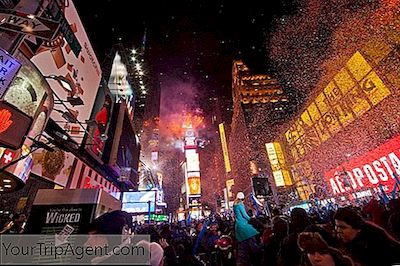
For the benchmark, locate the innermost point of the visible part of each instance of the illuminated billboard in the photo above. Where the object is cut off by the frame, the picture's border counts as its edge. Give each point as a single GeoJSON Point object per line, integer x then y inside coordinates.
{"type": "Point", "coordinates": [194, 184]}
{"type": "Point", "coordinates": [224, 148]}
{"type": "Point", "coordinates": [192, 161]}
{"type": "Point", "coordinates": [353, 91]}
{"type": "Point", "coordinates": [71, 56]}
{"type": "Point", "coordinates": [367, 172]}
{"type": "Point", "coordinates": [277, 162]}
{"type": "Point", "coordinates": [139, 202]}
{"type": "Point", "coordinates": [229, 184]}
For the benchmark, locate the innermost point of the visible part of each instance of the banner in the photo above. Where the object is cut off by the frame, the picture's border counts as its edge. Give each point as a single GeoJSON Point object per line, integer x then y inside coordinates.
{"type": "Point", "coordinates": [369, 171]}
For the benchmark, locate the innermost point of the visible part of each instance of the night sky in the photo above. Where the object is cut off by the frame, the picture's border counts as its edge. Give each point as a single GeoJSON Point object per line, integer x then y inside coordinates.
{"type": "Point", "coordinates": [187, 40]}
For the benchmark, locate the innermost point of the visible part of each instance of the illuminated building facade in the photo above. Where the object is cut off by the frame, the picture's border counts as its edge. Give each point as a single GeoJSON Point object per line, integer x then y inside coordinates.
{"type": "Point", "coordinates": [259, 107]}
{"type": "Point", "coordinates": [344, 144]}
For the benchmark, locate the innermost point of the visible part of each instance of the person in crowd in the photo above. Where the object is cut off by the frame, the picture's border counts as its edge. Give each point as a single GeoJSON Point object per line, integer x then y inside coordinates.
{"type": "Point", "coordinates": [394, 218]}
{"type": "Point", "coordinates": [290, 254]}
{"type": "Point", "coordinates": [365, 242]}
{"type": "Point", "coordinates": [280, 229]}
{"type": "Point", "coordinates": [244, 233]}
{"type": "Point", "coordinates": [16, 225]}
{"type": "Point", "coordinates": [316, 252]}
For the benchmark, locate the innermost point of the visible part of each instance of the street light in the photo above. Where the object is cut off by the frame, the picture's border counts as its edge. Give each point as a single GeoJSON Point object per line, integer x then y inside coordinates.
{"type": "Point", "coordinates": [67, 115]}
{"type": "Point", "coordinates": [63, 81]}
{"type": "Point", "coordinates": [74, 101]}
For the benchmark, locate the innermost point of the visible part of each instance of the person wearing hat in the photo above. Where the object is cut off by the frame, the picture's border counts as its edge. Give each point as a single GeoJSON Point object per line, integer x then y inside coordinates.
{"type": "Point", "coordinates": [365, 242]}
{"type": "Point", "coordinates": [318, 253]}
{"type": "Point", "coordinates": [244, 232]}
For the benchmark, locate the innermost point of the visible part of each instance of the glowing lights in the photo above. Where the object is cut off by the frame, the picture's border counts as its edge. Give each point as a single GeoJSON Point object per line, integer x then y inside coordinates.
{"type": "Point", "coordinates": [141, 73]}
{"type": "Point", "coordinates": [138, 67]}
{"type": "Point", "coordinates": [277, 162]}
{"type": "Point", "coordinates": [134, 51]}
{"type": "Point", "coordinates": [340, 103]}
{"type": "Point", "coordinates": [224, 148]}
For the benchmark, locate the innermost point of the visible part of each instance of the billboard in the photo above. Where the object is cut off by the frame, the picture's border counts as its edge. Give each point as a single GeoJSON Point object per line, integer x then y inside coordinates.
{"type": "Point", "coordinates": [56, 166]}
{"type": "Point", "coordinates": [99, 122]}
{"type": "Point", "coordinates": [369, 172]}
{"type": "Point", "coordinates": [277, 162]}
{"type": "Point", "coordinates": [138, 202]}
{"type": "Point", "coordinates": [194, 184]}
{"type": "Point", "coordinates": [224, 148]}
{"type": "Point", "coordinates": [353, 91]}
{"type": "Point", "coordinates": [70, 56]}
{"type": "Point", "coordinates": [192, 161]}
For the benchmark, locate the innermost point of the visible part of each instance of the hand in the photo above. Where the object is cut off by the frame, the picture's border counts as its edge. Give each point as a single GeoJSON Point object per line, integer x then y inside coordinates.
{"type": "Point", "coordinates": [163, 243]}
{"type": "Point", "coordinates": [5, 121]}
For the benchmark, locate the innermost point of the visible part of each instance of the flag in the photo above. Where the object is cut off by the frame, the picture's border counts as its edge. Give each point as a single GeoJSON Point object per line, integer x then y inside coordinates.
{"type": "Point", "coordinates": [255, 201]}
{"type": "Point", "coordinates": [384, 197]}
{"type": "Point", "coordinates": [144, 40]}
{"type": "Point", "coordinates": [397, 178]}
{"type": "Point", "coordinates": [394, 191]}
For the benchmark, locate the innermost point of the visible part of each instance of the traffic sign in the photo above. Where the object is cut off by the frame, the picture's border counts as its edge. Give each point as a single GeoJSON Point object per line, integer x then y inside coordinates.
{"type": "Point", "coordinates": [9, 67]}
{"type": "Point", "coordinates": [28, 24]}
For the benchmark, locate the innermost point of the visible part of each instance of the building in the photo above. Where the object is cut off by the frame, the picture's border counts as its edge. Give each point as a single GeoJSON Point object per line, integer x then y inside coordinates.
{"type": "Point", "coordinates": [344, 143]}
{"type": "Point", "coordinates": [259, 107]}
{"type": "Point", "coordinates": [71, 140]}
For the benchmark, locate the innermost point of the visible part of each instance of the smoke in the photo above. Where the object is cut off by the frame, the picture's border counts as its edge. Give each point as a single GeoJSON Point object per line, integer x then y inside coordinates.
{"type": "Point", "coordinates": [179, 99]}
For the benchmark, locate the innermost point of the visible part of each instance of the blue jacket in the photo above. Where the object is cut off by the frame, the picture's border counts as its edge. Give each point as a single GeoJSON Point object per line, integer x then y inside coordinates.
{"type": "Point", "coordinates": [243, 229]}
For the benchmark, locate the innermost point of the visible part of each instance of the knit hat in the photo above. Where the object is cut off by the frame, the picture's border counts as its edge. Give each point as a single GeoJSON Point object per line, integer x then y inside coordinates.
{"type": "Point", "coordinates": [311, 242]}
{"type": "Point", "coordinates": [240, 196]}
{"type": "Point", "coordinates": [111, 223]}
{"type": "Point", "coordinates": [350, 217]}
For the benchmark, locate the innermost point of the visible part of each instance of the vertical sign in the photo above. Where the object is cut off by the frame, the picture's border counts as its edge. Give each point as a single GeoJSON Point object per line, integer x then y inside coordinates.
{"type": "Point", "coordinates": [9, 67]}
{"type": "Point", "coordinates": [224, 148]}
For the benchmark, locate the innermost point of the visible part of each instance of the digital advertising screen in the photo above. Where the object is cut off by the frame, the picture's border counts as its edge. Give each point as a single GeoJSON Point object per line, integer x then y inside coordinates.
{"type": "Point", "coordinates": [138, 202]}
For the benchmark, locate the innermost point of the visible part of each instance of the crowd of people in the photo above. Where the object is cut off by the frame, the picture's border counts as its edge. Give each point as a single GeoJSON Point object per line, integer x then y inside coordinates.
{"type": "Point", "coordinates": [362, 235]}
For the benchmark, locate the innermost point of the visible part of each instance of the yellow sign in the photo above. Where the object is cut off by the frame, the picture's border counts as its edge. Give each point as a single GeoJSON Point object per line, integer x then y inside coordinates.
{"type": "Point", "coordinates": [229, 185]}
{"type": "Point", "coordinates": [224, 148]}
{"type": "Point", "coordinates": [354, 90]}
{"type": "Point", "coordinates": [277, 162]}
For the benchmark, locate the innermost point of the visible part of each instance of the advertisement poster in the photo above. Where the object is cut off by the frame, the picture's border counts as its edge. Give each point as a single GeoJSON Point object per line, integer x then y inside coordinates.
{"type": "Point", "coordinates": [71, 57]}
{"type": "Point", "coordinates": [51, 219]}
{"type": "Point", "coordinates": [138, 202]}
{"type": "Point", "coordinates": [194, 183]}
{"type": "Point", "coordinates": [55, 166]}
{"type": "Point", "coordinates": [375, 170]}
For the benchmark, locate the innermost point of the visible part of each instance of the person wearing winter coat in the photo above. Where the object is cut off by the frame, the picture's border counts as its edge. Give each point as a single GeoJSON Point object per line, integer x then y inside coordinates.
{"type": "Point", "coordinates": [317, 252]}
{"type": "Point", "coordinates": [365, 242]}
{"type": "Point", "coordinates": [244, 233]}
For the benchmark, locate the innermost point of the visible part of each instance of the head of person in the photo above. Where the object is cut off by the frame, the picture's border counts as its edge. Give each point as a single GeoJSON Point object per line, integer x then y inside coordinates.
{"type": "Point", "coordinates": [116, 223]}
{"type": "Point", "coordinates": [19, 219]}
{"type": "Point", "coordinates": [299, 219]}
{"type": "Point", "coordinates": [280, 226]}
{"type": "Point", "coordinates": [156, 252]}
{"type": "Point", "coordinates": [240, 196]}
{"type": "Point", "coordinates": [318, 253]}
{"type": "Point", "coordinates": [348, 223]}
